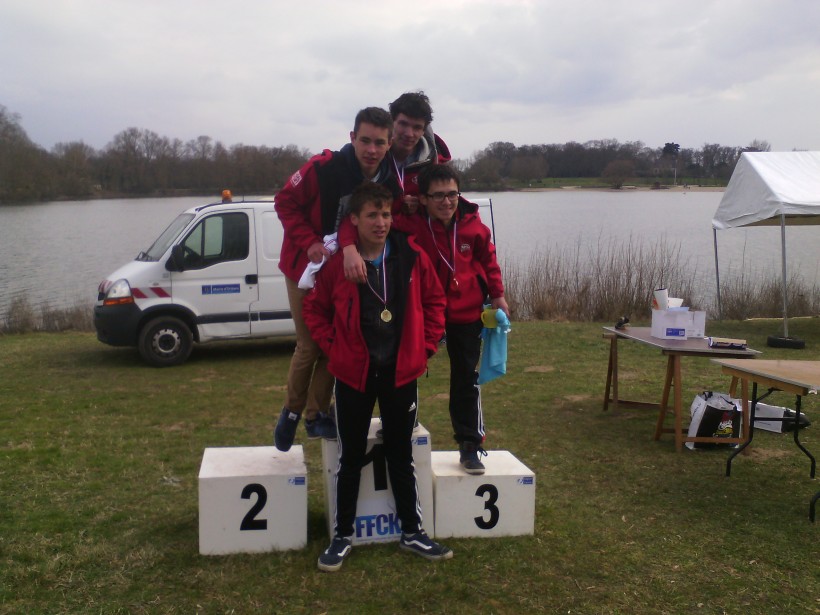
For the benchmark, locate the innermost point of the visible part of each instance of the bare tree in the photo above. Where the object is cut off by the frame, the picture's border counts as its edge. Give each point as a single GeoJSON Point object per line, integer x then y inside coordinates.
{"type": "Point", "coordinates": [528, 167]}
{"type": "Point", "coordinates": [758, 146]}
{"type": "Point", "coordinates": [75, 169]}
{"type": "Point", "coordinates": [617, 172]}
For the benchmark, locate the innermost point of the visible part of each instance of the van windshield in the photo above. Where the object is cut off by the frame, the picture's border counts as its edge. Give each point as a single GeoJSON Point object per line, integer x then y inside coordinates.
{"type": "Point", "coordinates": [167, 238]}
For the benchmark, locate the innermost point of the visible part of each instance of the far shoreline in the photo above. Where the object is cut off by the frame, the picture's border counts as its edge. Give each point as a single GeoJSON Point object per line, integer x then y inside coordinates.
{"type": "Point", "coordinates": [629, 188]}
{"type": "Point", "coordinates": [238, 197]}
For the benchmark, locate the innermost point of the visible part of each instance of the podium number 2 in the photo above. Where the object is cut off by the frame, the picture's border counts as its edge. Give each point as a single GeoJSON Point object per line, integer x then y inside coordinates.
{"type": "Point", "coordinates": [250, 522]}
{"type": "Point", "coordinates": [489, 505]}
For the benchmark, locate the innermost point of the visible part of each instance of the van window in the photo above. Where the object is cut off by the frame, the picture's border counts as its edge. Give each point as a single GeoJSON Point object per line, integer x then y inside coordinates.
{"type": "Point", "coordinates": [164, 241]}
{"type": "Point", "coordinates": [217, 239]}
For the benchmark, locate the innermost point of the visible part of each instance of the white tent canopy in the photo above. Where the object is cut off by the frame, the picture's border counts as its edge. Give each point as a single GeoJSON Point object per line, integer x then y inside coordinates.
{"type": "Point", "coordinates": [768, 185]}
{"type": "Point", "coordinates": [773, 189]}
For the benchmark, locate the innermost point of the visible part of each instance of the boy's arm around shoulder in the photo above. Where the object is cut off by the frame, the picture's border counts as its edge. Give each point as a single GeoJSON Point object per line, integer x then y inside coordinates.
{"type": "Point", "coordinates": [408, 223]}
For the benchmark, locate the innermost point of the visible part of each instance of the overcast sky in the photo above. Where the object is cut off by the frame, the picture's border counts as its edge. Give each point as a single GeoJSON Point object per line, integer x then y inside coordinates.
{"type": "Point", "coordinates": [275, 72]}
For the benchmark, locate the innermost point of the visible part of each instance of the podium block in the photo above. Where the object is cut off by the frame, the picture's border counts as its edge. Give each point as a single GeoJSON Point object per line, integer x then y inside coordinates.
{"type": "Point", "coordinates": [501, 502]}
{"type": "Point", "coordinates": [252, 500]}
{"type": "Point", "coordinates": [376, 519]}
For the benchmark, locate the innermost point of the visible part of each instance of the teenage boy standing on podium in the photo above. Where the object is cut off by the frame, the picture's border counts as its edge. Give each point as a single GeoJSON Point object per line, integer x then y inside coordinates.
{"type": "Point", "coordinates": [311, 206]}
{"type": "Point", "coordinates": [450, 231]}
{"type": "Point", "coordinates": [378, 337]}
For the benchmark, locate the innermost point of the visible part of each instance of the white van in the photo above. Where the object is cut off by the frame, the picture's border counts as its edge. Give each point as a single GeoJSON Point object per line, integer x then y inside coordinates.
{"type": "Point", "coordinates": [213, 274]}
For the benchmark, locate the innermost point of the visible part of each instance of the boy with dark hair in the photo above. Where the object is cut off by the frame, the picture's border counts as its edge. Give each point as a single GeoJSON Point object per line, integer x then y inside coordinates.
{"type": "Point", "coordinates": [449, 229]}
{"type": "Point", "coordinates": [378, 337]}
{"type": "Point", "coordinates": [415, 147]}
{"type": "Point", "coordinates": [310, 207]}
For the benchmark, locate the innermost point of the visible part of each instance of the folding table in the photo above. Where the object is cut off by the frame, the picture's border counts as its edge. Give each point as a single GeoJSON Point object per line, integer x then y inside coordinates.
{"type": "Point", "coordinates": [673, 350]}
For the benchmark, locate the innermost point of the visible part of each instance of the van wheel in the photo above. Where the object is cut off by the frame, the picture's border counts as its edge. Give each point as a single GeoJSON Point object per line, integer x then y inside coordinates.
{"type": "Point", "coordinates": [165, 341]}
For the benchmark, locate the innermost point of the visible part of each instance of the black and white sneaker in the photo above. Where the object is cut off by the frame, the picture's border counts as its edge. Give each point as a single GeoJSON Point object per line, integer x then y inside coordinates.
{"type": "Point", "coordinates": [332, 557]}
{"type": "Point", "coordinates": [421, 544]}
{"type": "Point", "coordinates": [469, 457]}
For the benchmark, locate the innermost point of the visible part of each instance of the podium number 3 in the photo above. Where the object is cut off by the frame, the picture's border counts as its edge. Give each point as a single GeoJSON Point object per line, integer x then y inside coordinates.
{"type": "Point", "coordinates": [250, 522]}
{"type": "Point", "coordinates": [489, 505]}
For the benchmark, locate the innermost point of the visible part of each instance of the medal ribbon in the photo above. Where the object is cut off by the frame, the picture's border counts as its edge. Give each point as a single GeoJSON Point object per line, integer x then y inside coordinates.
{"type": "Point", "coordinates": [399, 173]}
{"type": "Point", "coordinates": [451, 267]}
{"type": "Point", "coordinates": [384, 279]}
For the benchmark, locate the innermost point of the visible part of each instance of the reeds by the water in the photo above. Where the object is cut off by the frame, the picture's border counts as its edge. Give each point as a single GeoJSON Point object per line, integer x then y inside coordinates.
{"type": "Point", "coordinates": [604, 281]}
{"type": "Point", "coordinates": [22, 317]}
{"type": "Point", "coordinates": [745, 297]}
{"type": "Point", "coordinates": [588, 283]}
{"type": "Point", "coordinates": [598, 282]}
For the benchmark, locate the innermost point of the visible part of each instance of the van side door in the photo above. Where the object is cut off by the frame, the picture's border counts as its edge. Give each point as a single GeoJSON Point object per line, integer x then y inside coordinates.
{"type": "Point", "coordinates": [271, 314]}
{"type": "Point", "coordinates": [219, 278]}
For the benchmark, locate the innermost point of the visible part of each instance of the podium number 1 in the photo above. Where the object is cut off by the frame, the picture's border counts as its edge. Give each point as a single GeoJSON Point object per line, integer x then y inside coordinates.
{"type": "Point", "coordinates": [249, 521]}
{"type": "Point", "coordinates": [489, 505]}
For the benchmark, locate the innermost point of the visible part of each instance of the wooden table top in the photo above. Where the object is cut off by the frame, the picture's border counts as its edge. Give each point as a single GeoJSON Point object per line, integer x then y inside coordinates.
{"type": "Point", "coordinates": [693, 345]}
{"type": "Point", "coordinates": [801, 374]}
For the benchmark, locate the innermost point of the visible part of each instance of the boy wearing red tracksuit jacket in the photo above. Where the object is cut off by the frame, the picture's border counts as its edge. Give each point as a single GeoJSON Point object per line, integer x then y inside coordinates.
{"type": "Point", "coordinates": [415, 147]}
{"type": "Point", "coordinates": [449, 229]}
{"type": "Point", "coordinates": [311, 206]}
{"type": "Point", "coordinates": [378, 337]}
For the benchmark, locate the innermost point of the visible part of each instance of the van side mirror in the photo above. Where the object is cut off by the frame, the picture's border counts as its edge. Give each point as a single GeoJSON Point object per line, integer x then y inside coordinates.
{"type": "Point", "coordinates": [176, 261]}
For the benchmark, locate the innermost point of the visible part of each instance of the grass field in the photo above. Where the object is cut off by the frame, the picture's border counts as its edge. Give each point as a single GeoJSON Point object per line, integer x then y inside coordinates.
{"type": "Point", "coordinates": [99, 457]}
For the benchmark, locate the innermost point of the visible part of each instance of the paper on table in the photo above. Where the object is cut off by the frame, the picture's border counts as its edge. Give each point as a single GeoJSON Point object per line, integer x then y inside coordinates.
{"type": "Point", "coordinates": [727, 342]}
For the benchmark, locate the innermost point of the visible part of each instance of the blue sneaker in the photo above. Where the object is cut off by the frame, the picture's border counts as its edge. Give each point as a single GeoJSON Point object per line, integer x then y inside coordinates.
{"type": "Point", "coordinates": [332, 557]}
{"type": "Point", "coordinates": [323, 426]}
{"type": "Point", "coordinates": [285, 430]}
{"type": "Point", "coordinates": [469, 456]}
{"type": "Point", "coordinates": [421, 544]}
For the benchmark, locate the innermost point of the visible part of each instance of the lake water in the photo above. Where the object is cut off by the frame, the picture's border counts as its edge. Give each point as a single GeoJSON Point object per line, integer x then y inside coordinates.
{"type": "Point", "coordinates": [56, 253]}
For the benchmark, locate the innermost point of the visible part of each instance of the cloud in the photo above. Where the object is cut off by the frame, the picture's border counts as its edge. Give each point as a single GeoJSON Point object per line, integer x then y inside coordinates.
{"type": "Point", "coordinates": [280, 72]}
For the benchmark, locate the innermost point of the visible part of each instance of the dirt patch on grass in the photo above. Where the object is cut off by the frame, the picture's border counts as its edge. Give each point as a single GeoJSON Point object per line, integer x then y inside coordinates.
{"type": "Point", "coordinates": [279, 388]}
{"type": "Point", "coordinates": [764, 454]}
{"type": "Point", "coordinates": [540, 369]}
{"type": "Point", "coordinates": [577, 398]}
{"type": "Point", "coordinates": [177, 427]}
{"type": "Point", "coordinates": [207, 376]}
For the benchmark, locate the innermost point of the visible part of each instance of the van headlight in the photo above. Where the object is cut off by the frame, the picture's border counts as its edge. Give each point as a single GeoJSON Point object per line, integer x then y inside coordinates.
{"type": "Point", "coordinates": [119, 293]}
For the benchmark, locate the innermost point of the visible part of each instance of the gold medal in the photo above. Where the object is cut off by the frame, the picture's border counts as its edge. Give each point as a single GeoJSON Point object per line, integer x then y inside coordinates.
{"type": "Point", "coordinates": [385, 314]}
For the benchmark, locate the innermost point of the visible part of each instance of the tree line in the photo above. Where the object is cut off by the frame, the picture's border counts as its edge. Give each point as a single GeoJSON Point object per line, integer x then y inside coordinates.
{"type": "Point", "coordinates": [139, 162]}
{"type": "Point", "coordinates": [502, 164]}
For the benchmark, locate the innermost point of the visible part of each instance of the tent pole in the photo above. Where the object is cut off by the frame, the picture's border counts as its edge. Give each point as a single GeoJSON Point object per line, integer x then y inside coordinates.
{"type": "Point", "coordinates": [717, 275]}
{"type": "Point", "coordinates": [783, 257]}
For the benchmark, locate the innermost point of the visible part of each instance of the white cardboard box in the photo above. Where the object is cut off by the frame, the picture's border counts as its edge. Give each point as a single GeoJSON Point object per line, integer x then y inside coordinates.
{"type": "Point", "coordinates": [252, 500]}
{"type": "Point", "coordinates": [670, 324]}
{"type": "Point", "coordinates": [678, 324]}
{"type": "Point", "coordinates": [500, 502]}
{"type": "Point", "coordinates": [376, 519]}
{"type": "Point", "coordinates": [696, 327]}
